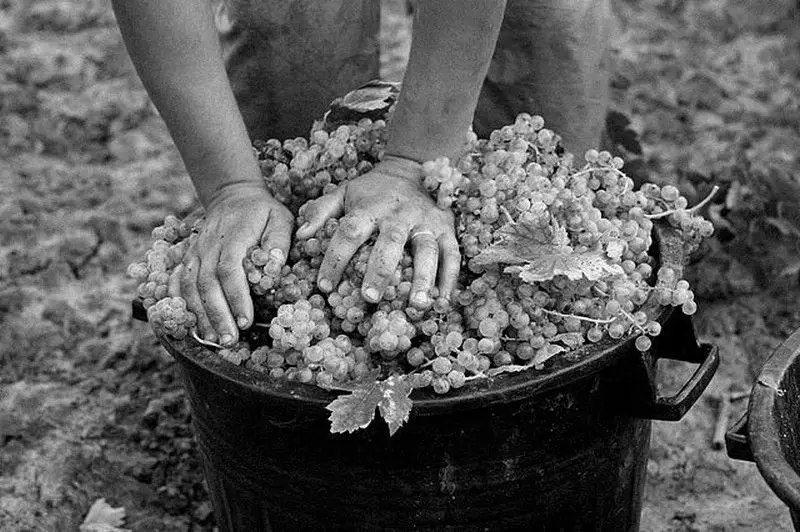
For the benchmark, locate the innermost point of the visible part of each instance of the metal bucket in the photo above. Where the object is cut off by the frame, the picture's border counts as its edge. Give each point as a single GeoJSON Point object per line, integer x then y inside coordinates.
{"type": "Point", "coordinates": [769, 433]}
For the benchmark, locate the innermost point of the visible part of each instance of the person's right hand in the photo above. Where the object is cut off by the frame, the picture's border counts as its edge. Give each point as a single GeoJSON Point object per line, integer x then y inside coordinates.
{"type": "Point", "coordinates": [212, 278]}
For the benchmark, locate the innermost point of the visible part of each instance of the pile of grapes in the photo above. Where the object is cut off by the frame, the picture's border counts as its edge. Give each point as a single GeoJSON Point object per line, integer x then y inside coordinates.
{"type": "Point", "coordinates": [555, 255]}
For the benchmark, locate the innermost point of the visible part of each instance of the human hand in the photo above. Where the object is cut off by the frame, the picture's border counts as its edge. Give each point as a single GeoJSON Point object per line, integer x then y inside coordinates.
{"type": "Point", "coordinates": [211, 278]}
{"type": "Point", "coordinates": [391, 199]}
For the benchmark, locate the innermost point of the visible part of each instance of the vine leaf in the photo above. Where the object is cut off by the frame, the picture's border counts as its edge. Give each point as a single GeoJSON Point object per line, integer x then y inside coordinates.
{"type": "Point", "coordinates": [102, 517]}
{"type": "Point", "coordinates": [356, 410]}
{"type": "Point", "coordinates": [511, 368]}
{"type": "Point", "coordinates": [574, 266]}
{"type": "Point", "coordinates": [546, 353]}
{"type": "Point", "coordinates": [540, 255]}
{"type": "Point", "coordinates": [370, 97]}
{"type": "Point", "coordinates": [396, 403]}
{"type": "Point", "coordinates": [573, 340]}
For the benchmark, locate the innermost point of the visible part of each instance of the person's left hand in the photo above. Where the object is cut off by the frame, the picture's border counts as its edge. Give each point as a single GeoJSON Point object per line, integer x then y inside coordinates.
{"type": "Point", "coordinates": [391, 199]}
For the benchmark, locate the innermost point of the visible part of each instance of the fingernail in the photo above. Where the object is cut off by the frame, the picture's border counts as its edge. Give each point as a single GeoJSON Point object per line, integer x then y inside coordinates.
{"type": "Point", "coordinates": [226, 339]}
{"type": "Point", "coordinates": [325, 285]}
{"type": "Point", "coordinates": [371, 294]}
{"type": "Point", "coordinates": [303, 227]}
{"type": "Point", "coordinates": [418, 298]}
{"type": "Point", "coordinates": [421, 300]}
{"type": "Point", "coordinates": [242, 322]}
{"type": "Point", "coordinates": [210, 338]}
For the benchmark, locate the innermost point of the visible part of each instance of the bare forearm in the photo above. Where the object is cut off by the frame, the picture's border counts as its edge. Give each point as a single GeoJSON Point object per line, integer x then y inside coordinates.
{"type": "Point", "coordinates": [174, 46]}
{"type": "Point", "coordinates": [451, 49]}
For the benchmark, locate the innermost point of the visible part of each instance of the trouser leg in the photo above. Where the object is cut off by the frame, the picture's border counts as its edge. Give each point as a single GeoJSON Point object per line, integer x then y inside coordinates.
{"type": "Point", "coordinates": [553, 59]}
{"type": "Point", "coordinates": [288, 59]}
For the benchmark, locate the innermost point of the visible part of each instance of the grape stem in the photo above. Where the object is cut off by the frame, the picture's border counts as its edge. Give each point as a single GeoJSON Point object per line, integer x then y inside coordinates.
{"type": "Point", "coordinates": [623, 312]}
{"type": "Point", "coordinates": [693, 209]}
{"type": "Point", "coordinates": [589, 170]}
{"type": "Point", "coordinates": [205, 342]}
{"type": "Point", "coordinates": [582, 318]}
{"type": "Point", "coordinates": [632, 320]}
{"type": "Point", "coordinates": [508, 215]}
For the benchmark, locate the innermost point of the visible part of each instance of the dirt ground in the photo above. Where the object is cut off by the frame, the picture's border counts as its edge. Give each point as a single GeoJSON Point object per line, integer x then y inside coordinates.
{"type": "Point", "coordinates": [90, 406]}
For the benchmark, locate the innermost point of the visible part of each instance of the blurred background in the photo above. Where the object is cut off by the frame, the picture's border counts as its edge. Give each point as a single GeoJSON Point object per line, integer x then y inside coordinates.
{"type": "Point", "coordinates": [705, 92]}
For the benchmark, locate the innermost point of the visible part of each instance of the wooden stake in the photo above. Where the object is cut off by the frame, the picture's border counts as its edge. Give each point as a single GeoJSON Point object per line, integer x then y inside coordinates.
{"type": "Point", "coordinates": [723, 415]}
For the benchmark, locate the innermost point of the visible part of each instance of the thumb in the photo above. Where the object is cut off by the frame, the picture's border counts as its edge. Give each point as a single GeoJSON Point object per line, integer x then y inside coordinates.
{"type": "Point", "coordinates": [320, 210]}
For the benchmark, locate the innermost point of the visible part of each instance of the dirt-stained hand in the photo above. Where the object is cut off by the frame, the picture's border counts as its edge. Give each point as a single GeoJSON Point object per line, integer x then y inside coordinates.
{"type": "Point", "coordinates": [391, 200]}
{"type": "Point", "coordinates": [212, 277]}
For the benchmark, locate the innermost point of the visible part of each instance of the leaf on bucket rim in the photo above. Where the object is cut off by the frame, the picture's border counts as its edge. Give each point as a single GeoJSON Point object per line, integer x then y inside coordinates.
{"type": "Point", "coordinates": [573, 340]}
{"type": "Point", "coordinates": [546, 353]}
{"type": "Point", "coordinates": [511, 368]}
{"type": "Point", "coordinates": [356, 410]}
{"type": "Point", "coordinates": [395, 406]}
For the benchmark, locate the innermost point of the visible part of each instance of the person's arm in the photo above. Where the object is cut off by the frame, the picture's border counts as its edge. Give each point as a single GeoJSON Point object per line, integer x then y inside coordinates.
{"type": "Point", "coordinates": [452, 46]}
{"type": "Point", "coordinates": [175, 49]}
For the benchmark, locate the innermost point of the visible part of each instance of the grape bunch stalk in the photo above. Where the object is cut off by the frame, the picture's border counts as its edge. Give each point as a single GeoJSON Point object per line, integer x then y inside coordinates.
{"type": "Point", "coordinates": [556, 255]}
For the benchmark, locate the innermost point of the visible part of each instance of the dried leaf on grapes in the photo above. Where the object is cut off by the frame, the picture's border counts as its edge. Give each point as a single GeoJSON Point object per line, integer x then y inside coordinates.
{"type": "Point", "coordinates": [541, 254]}
{"type": "Point", "coordinates": [574, 266]}
{"type": "Point", "coordinates": [546, 353]}
{"type": "Point", "coordinates": [573, 340]}
{"type": "Point", "coordinates": [511, 368]}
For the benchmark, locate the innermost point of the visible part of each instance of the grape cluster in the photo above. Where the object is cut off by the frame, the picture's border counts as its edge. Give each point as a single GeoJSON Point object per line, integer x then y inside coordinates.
{"type": "Point", "coordinates": [169, 316]}
{"type": "Point", "coordinates": [556, 254]}
{"type": "Point", "coordinates": [170, 242]}
{"type": "Point", "coordinates": [297, 170]}
{"type": "Point", "coordinates": [296, 325]}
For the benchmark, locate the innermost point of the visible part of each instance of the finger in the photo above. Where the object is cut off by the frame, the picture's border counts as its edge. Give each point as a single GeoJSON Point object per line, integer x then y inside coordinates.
{"type": "Point", "coordinates": [214, 302]}
{"type": "Point", "coordinates": [317, 212]}
{"type": "Point", "coordinates": [450, 264]}
{"type": "Point", "coordinates": [188, 287]}
{"type": "Point", "coordinates": [354, 229]}
{"type": "Point", "coordinates": [174, 286]}
{"type": "Point", "coordinates": [426, 261]}
{"type": "Point", "coordinates": [233, 282]}
{"type": "Point", "coordinates": [278, 232]}
{"type": "Point", "coordinates": [383, 261]}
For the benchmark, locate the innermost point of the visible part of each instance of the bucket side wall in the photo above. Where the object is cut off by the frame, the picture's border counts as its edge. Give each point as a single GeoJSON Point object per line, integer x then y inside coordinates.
{"type": "Point", "coordinates": [560, 460]}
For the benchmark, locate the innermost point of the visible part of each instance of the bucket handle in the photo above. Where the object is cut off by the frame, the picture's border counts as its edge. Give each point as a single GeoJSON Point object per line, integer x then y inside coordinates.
{"type": "Point", "coordinates": [677, 341]}
{"type": "Point", "coordinates": [737, 444]}
{"type": "Point", "coordinates": [674, 407]}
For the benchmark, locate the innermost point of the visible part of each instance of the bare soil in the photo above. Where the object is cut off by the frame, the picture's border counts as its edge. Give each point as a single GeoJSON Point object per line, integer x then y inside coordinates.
{"type": "Point", "coordinates": [91, 407]}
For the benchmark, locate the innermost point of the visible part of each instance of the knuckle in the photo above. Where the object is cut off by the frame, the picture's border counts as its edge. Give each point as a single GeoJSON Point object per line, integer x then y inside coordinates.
{"type": "Point", "coordinates": [308, 210]}
{"type": "Point", "coordinates": [452, 256]}
{"type": "Point", "coordinates": [395, 234]}
{"type": "Point", "coordinates": [427, 245]}
{"type": "Point", "coordinates": [423, 277]}
{"type": "Point", "coordinates": [450, 244]}
{"type": "Point", "coordinates": [350, 228]}
{"type": "Point", "coordinates": [226, 269]}
{"type": "Point", "coordinates": [381, 272]}
{"type": "Point", "coordinates": [205, 284]}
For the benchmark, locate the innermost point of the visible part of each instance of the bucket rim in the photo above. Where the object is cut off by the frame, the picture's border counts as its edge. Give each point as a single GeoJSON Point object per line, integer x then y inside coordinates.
{"type": "Point", "coordinates": [559, 371]}
{"type": "Point", "coordinates": [762, 428]}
